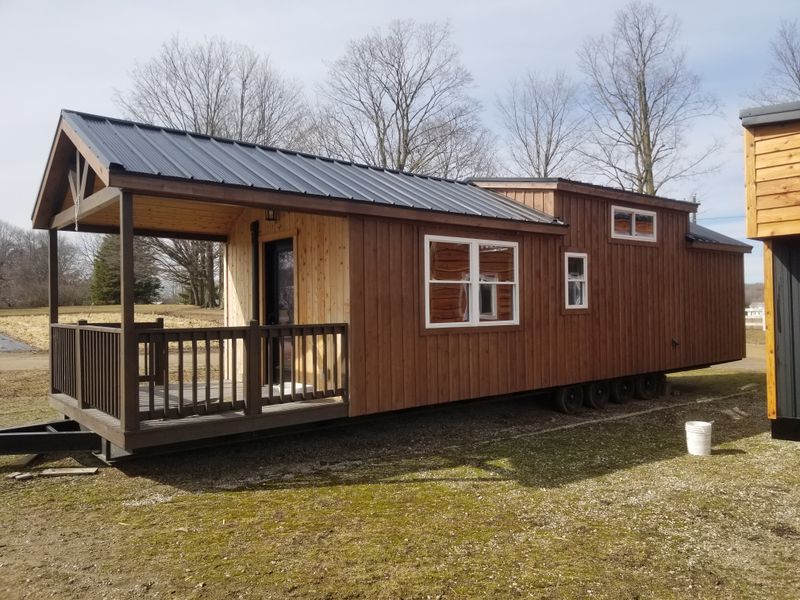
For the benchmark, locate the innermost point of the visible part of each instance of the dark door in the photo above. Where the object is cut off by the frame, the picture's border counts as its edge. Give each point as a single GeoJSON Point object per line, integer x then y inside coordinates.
{"type": "Point", "coordinates": [279, 303]}
{"type": "Point", "coordinates": [786, 291]}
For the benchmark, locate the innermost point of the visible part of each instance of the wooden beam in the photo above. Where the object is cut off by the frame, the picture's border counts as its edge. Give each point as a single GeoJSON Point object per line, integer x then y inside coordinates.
{"type": "Point", "coordinates": [769, 318]}
{"type": "Point", "coordinates": [90, 205]}
{"type": "Point", "coordinates": [750, 184]}
{"type": "Point", "coordinates": [52, 292]}
{"type": "Point", "coordinates": [128, 347]}
{"type": "Point", "coordinates": [255, 275]}
{"type": "Point", "coordinates": [162, 233]}
{"type": "Point", "coordinates": [246, 196]}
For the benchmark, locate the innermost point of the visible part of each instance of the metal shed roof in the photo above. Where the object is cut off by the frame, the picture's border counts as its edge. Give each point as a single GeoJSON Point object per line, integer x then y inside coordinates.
{"type": "Point", "coordinates": [765, 115]}
{"type": "Point", "coordinates": [138, 148]}
{"type": "Point", "coordinates": [698, 233]}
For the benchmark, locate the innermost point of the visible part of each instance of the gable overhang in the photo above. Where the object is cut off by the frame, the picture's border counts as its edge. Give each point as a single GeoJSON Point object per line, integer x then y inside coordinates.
{"type": "Point", "coordinates": [174, 207]}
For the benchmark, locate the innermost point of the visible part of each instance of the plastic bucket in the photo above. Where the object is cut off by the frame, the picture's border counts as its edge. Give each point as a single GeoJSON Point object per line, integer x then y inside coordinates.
{"type": "Point", "coordinates": [698, 438]}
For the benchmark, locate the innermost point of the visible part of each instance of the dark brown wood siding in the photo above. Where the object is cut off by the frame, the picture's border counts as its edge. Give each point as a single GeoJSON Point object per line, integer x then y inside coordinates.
{"type": "Point", "coordinates": [641, 298]}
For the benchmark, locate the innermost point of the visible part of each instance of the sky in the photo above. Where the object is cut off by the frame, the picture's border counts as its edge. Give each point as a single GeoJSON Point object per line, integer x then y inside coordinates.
{"type": "Point", "coordinates": [76, 54]}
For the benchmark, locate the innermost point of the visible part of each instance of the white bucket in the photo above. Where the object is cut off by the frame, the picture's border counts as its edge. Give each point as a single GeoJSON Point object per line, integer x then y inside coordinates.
{"type": "Point", "coordinates": [698, 438]}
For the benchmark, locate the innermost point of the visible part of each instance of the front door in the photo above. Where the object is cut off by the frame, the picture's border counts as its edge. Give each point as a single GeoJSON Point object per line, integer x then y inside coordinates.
{"type": "Point", "coordinates": [279, 302]}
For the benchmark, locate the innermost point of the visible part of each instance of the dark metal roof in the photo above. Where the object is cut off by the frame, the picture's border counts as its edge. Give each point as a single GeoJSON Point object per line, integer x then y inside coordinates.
{"type": "Point", "coordinates": [698, 233]}
{"type": "Point", "coordinates": [764, 115]}
{"type": "Point", "coordinates": [138, 148]}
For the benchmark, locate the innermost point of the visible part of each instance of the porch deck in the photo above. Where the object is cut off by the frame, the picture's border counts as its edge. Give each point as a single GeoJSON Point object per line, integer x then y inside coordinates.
{"type": "Point", "coordinates": [197, 383]}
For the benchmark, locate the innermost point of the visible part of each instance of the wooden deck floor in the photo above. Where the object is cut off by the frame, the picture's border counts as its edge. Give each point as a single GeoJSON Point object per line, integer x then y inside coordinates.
{"type": "Point", "coordinates": [221, 420]}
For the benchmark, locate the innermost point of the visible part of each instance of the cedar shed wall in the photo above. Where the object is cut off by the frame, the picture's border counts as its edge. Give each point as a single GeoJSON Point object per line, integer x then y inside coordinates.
{"type": "Point", "coordinates": [641, 297]}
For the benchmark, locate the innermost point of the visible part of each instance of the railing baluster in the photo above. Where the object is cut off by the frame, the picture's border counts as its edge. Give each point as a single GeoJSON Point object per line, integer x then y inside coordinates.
{"type": "Point", "coordinates": [270, 366]}
{"type": "Point", "coordinates": [194, 373]}
{"type": "Point", "coordinates": [151, 379]}
{"type": "Point", "coordinates": [208, 371]}
{"type": "Point", "coordinates": [165, 371]}
{"type": "Point", "coordinates": [325, 361]}
{"type": "Point", "coordinates": [315, 344]}
{"type": "Point", "coordinates": [305, 360]}
{"type": "Point", "coordinates": [180, 373]}
{"type": "Point", "coordinates": [281, 352]}
{"type": "Point", "coordinates": [221, 377]}
{"type": "Point", "coordinates": [234, 344]}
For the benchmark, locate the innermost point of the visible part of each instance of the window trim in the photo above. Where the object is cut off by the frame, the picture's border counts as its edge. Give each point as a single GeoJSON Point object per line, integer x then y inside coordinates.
{"type": "Point", "coordinates": [473, 282]}
{"type": "Point", "coordinates": [585, 280]}
{"type": "Point", "coordinates": [633, 236]}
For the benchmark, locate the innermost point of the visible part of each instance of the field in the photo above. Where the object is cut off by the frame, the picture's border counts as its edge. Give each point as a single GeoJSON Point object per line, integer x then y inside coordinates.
{"type": "Point", "coordinates": [503, 499]}
{"type": "Point", "coordinates": [29, 325]}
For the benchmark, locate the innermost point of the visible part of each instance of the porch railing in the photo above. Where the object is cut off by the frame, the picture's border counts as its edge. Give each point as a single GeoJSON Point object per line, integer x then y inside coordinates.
{"type": "Point", "coordinates": [198, 371]}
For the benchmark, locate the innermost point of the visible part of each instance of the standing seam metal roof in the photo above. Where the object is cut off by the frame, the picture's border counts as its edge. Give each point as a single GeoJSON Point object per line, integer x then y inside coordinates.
{"type": "Point", "coordinates": [139, 148]}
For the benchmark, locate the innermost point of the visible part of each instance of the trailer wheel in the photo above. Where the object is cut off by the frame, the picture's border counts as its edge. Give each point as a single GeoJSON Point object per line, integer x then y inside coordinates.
{"type": "Point", "coordinates": [569, 399]}
{"type": "Point", "coordinates": [596, 394]}
{"type": "Point", "coordinates": [622, 390]}
{"type": "Point", "coordinates": [647, 386]}
{"type": "Point", "coordinates": [662, 384]}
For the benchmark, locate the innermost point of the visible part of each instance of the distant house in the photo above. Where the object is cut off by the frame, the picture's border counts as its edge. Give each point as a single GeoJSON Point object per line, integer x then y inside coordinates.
{"type": "Point", "coordinates": [772, 187]}
{"type": "Point", "coordinates": [352, 290]}
{"type": "Point", "coordinates": [754, 316]}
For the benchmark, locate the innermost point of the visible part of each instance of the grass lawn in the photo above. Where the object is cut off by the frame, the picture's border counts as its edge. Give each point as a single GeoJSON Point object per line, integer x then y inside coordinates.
{"type": "Point", "coordinates": [481, 500]}
{"type": "Point", "coordinates": [30, 325]}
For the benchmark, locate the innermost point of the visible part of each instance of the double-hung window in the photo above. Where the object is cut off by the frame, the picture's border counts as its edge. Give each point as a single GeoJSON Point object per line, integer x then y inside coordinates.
{"type": "Point", "coordinates": [470, 282]}
{"type": "Point", "coordinates": [576, 287]}
{"type": "Point", "coordinates": [633, 224]}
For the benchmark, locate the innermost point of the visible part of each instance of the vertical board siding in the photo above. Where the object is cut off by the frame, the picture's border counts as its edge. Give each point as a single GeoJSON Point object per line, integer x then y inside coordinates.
{"type": "Point", "coordinates": [641, 297]}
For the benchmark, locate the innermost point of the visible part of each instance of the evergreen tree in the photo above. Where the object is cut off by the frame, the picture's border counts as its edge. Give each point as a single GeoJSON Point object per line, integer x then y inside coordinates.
{"type": "Point", "coordinates": [105, 286]}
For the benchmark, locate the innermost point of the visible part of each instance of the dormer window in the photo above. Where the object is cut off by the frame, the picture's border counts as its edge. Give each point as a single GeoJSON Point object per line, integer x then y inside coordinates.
{"type": "Point", "coordinates": [633, 224]}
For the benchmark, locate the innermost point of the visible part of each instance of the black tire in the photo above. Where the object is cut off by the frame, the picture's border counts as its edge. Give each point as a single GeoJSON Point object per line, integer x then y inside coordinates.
{"type": "Point", "coordinates": [595, 394]}
{"type": "Point", "coordinates": [569, 399]}
{"type": "Point", "coordinates": [622, 390]}
{"type": "Point", "coordinates": [662, 385]}
{"type": "Point", "coordinates": [647, 386]}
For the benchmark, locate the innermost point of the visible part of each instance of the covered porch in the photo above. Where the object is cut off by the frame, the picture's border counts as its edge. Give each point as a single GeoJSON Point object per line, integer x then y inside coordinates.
{"type": "Point", "coordinates": [281, 358]}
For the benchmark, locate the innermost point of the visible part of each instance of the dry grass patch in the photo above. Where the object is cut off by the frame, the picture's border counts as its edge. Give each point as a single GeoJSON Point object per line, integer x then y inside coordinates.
{"type": "Point", "coordinates": [31, 325]}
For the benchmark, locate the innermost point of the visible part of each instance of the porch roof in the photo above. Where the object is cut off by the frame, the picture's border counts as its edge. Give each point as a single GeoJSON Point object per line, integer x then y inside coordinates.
{"type": "Point", "coordinates": [127, 149]}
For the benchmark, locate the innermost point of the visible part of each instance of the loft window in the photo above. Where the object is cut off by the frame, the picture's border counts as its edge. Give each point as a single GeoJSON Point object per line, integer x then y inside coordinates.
{"type": "Point", "coordinates": [576, 290]}
{"type": "Point", "coordinates": [633, 224]}
{"type": "Point", "coordinates": [470, 282]}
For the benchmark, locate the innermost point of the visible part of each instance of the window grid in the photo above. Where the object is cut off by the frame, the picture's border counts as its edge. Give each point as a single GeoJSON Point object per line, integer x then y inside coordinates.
{"type": "Point", "coordinates": [473, 284]}
{"type": "Point", "coordinates": [583, 278]}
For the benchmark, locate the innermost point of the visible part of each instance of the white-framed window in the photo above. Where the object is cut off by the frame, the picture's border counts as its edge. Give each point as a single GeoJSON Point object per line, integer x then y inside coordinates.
{"type": "Point", "coordinates": [470, 282]}
{"type": "Point", "coordinates": [576, 286]}
{"type": "Point", "coordinates": [633, 224]}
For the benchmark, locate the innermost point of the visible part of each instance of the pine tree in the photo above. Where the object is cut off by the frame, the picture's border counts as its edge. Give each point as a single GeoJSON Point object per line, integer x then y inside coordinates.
{"type": "Point", "coordinates": [105, 286]}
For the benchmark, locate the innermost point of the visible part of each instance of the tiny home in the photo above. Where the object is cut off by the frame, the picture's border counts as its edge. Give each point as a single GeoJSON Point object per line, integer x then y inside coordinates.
{"type": "Point", "coordinates": [352, 290]}
{"type": "Point", "coordinates": [772, 195]}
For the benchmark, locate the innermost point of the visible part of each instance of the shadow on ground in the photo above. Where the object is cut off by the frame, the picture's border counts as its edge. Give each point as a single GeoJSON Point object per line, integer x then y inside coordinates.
{"type": "Point", "coordinates": [520, 439]}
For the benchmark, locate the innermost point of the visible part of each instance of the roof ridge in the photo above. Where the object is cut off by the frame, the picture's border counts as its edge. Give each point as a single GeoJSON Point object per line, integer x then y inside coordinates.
{"type": "Point", "coordinates": [227, 140]}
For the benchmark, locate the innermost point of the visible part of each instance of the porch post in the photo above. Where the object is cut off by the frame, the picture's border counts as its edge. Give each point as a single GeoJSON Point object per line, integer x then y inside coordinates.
{"type": "Point", "coordinates": [52, 291]}
{"type": "Point", "coordinates": [128, 359]}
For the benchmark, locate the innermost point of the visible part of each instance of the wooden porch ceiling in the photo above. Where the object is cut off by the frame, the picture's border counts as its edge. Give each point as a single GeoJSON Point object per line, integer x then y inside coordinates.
{"type": "Point", "coordinates": [169, 216]}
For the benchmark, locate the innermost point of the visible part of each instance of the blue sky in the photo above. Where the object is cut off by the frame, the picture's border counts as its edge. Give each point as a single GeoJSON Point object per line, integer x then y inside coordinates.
{"type": "Point", "coordinates": [57, 55]}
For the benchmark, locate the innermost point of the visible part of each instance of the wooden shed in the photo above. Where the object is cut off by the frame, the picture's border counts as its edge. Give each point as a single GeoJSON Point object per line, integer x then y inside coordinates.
{"type": "Point", "coordinates": [772, 189]}
{"type": "Point", "coordinates": [352, 290]}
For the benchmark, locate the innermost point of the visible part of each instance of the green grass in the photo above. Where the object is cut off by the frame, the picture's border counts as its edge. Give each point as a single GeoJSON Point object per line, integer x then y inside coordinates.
{"type": "Point", "coordinates": [480, 500]}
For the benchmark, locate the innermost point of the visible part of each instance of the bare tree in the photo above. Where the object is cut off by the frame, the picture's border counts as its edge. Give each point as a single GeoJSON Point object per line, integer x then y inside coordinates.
{"type": "Point", "coordinates": [24, 268]}
{"type": "Point", "coordinates": [642, 100]}
{"type": "Point", "coordinates": [782, 83]}
{"type": "Point", "coordinates": [214, 88]}
{"type": "Point", "coordinates": [217, 88]}
{"type": "Point", "coordinates": [398, 99]}
{"type": "Point", "coordinates": [543, 124]}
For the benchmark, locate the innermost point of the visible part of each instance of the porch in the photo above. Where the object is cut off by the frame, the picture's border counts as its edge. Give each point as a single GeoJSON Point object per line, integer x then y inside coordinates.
{"type": "Point", "coordinates": [197, 383]}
